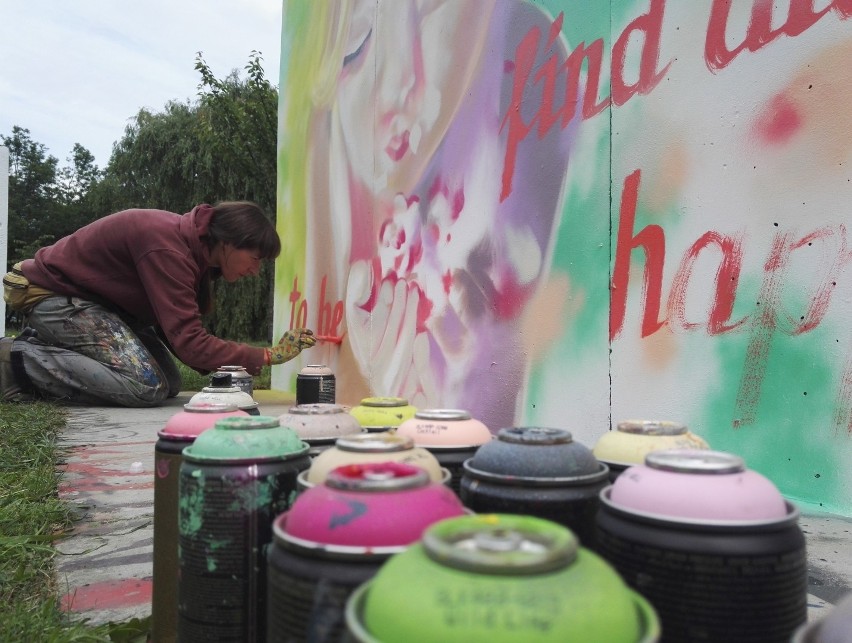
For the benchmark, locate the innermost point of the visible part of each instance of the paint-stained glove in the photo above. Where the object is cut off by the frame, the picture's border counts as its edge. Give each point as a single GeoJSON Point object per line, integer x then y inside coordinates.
{"type": "Point", "coordinates": [291, 344]}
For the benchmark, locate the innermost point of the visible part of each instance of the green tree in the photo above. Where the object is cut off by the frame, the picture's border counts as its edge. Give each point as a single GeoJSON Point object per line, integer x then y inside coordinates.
{"type": "Point", "coordinates": [33, 195]}
{"type": "Point", "coordinates": [238, 126]}
{"type": "Point", "coordinates": [77, 178]}
{"type": "Point", "coordinates": [76, 185]}
{"type": "Point", "coordinates": [221, 147]}
{"type": "Point", "coordinates": [46, 202]}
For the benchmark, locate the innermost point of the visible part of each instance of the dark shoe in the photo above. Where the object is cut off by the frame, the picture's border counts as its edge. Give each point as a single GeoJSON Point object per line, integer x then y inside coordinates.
{"type": "Point", "coordinates": [10, 389]}
{"type": "Point", "coordinates": [28, 332]}
{"type": "Point", "coordinates": [8, 385]}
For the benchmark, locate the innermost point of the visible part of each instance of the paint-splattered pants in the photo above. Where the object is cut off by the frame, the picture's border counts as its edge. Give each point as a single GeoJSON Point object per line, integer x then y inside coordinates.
{"type": "Point", "coordinates": [84, 353]}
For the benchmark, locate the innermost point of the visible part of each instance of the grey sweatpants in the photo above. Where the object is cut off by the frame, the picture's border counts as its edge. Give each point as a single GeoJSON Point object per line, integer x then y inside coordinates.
{"type": "Point", "coordinates": [84, 353]}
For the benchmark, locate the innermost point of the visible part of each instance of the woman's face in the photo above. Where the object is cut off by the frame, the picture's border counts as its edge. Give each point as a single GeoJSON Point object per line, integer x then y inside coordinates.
{"type": "Point", "coordinates": [236, 263]}
{"type": "Point", "coordinates": [404, 72]}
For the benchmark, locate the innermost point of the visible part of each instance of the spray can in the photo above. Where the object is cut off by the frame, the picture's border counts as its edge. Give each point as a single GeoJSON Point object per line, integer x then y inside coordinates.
{"type": "Point", "coordinates": [537, 471]}
{"type": "Point", "coordinates": [338, 534]}
{"type": "Point", "coordinates": [320, 424]}
{"type": "Point", "coordinates": [222, 389]}
{"type": "Point", "coordinates": [502, 579]}
{"type": "Point", "coordinates": [379, 414]}
{"type": "Point", "coordinates": [234, 480]}
{"type": "Point", "coordinates": [239, 378]}
{"type": "Point", "coordinates": [180, 431]}
{"type": "Point", "coordinates": [315, 384]}
{"type": "Point", "coordinates": [452, 435]}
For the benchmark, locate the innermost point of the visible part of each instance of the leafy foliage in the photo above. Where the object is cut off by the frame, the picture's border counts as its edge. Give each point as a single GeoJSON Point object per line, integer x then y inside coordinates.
{"type": "Point", "coordinates": [33, 194]}
{"type": "Point", "coordinates": [220, 147]}
{"type": "Point", "coordinates": [238, 127]}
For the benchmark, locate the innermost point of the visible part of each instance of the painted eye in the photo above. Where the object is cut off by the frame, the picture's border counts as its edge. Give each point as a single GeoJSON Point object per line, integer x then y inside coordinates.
{"type": "Point", "coordinates": [360, 29]}
{"type": "Point", "coordinates": [349, 58]}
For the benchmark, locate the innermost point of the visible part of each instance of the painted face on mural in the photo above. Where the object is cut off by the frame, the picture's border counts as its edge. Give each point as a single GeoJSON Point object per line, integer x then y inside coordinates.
{"type": "Point", "coordinates": [439, 268]}
{"type": "Point", "coordinates": [405, 67]}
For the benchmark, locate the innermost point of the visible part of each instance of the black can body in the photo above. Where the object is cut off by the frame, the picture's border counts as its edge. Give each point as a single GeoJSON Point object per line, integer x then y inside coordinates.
{"type": "Point", "coordinates": [537, 471]}
{"type": "Point", "coordinates": [453, 459]}
{"type": "Point", "coordinates": [307, 594]}
{"type": "Point", "coordinates": [711, 582]}
{"type": "Point", "coordinates": [570, 503]}
{"type": "Point", "coordinates": [226, 515]}
{"type": "Point", "coordinates": [239, 378]}
{"type": "Point", "coordinates": [315, 384]}
{"type": "Point", "coordinates": [167, 461]}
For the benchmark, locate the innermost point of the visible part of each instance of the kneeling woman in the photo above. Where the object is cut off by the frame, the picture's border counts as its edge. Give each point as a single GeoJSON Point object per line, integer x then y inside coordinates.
{"type": "Point", "coordinates": [110, 302]}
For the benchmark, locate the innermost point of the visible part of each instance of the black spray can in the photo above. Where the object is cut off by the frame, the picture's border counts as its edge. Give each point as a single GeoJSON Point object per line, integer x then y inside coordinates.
{"type": "Point", "coordinates": [315, 385]}
{"type": "Point", "coordinates": [234, 480]}
{"type": "Point", "coordinates": [239, 378]}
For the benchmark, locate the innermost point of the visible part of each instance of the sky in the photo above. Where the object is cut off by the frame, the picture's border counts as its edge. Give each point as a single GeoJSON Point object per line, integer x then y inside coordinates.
{"type": "Point", "coordinates": [77, 71]}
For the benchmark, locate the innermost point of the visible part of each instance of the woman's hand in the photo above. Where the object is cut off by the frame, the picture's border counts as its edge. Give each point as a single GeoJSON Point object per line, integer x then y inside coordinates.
{"type": "Point", "coordinates": [292, 343]}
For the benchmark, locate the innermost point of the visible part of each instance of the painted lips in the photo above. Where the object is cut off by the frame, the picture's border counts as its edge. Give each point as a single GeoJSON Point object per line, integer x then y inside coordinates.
{"type": "Point", "coordinates": [398, 146]}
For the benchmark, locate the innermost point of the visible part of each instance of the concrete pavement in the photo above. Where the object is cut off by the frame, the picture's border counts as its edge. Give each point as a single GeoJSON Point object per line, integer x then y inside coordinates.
{"type": "Point", "coordinates": [105, 566]}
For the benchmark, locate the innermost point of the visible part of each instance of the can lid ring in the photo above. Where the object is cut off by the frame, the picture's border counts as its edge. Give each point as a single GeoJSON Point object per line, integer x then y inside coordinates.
{"type": "Point", "coordinates": [375, 443]}
{"type": "Point", "coordinates": [384, 402]}
{"type": "Point", "coordinates": [374, 479]}
{"type": "Point", "coordinates": [698, 461]}
{"type": "Point", "coordinates": [210, 407]}
{"type": "Point", "coordinates": [316, 408]}
{"type": "Point", "coordinates": [534, 435]}
{"type": "Point", "coordinates": [651, 427]}
{"type": "Point", "coordinates": [442, 414]}
{"type": "Point", "coordinates": [509, 480]}
{"type": "Point", "coordinates": [500, 544]}
{"type": "Point", "coordinates": [316, 369]}
{"type": "Point", "coordinates": [233, 368]}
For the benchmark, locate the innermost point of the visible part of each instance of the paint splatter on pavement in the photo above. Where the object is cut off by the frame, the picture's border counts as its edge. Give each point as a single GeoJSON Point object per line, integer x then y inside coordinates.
{"type": "Point", "coordinates": [105, 565]}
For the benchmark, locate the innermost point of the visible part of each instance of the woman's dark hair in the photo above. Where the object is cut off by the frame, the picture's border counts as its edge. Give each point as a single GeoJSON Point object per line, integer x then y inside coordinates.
{"type": "Point", "coordinates": [244, 225]}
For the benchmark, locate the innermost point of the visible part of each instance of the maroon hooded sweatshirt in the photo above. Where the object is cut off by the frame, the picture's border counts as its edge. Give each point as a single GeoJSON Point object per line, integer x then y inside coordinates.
{"type": "Point", "coordinates": [149, 264]}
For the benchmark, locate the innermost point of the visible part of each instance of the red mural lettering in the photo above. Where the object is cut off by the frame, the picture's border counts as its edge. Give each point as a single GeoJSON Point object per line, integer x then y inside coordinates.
{"type": "Point", "coordinates": [328, 316]}
{"type": "Point", "coordinates": [329, 319]}
{"type": "Point", "coordinates": [768, 317]}
{"type": "Point", "coordinates": [769, 303]}
{"type": "Point", "coordinates": [593, 57]}
{"type": "Point", "coordinates": [518, 130]}
{"type": "Point", "coordinates": [548, 73]}
{"type": "Point", "coordinates": [843, 407]}
{"type": "Point", "coordinates": [727, 280]}
{"type": "Point", "coordinates": [651, 24]}
{"type": "Point", "coordinates": [295, 295]}
{"type": "Point", "coordinates": [327, 323]}
{"type": "Point", "coordinates": [820, 299]}
{"type": "Point", "coordinates": [653, 240]}
{"type": "Point", "coordinates": [801, 16]}
{"type": "Point", "coordinates": [762, 331]}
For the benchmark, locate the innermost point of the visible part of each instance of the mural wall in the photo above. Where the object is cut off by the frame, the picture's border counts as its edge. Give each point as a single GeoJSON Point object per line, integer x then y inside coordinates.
{"type": "Point", "coordinates": [570, 213]}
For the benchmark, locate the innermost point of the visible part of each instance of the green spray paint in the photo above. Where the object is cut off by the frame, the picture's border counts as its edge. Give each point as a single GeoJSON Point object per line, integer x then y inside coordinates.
{"type": "Point", "coordinates": [255, 495]}
{"type": "Point", "coordinates": [191, 503]}
{"type": "Point", "coordinates": [796, 393]}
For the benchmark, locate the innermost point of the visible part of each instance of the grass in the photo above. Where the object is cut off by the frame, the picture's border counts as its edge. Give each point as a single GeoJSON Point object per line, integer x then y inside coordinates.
{"type": "Point", "coordinates": [32, 518]}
